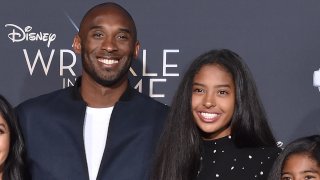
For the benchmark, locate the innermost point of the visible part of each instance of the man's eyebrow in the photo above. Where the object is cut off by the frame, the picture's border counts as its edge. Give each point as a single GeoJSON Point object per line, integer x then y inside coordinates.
{"type": "Point", "coordinates": [95, 27]}
{"type": "Point", "coordinates": [125, 30]}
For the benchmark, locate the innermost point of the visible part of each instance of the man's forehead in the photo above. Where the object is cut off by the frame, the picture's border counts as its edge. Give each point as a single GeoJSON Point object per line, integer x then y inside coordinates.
{"type": "Point", "coordinates": [110, 14]}
{"type": "Point", "coordinates": [108, 20]}
{"type": "Point", "coordinates": [107, 10]}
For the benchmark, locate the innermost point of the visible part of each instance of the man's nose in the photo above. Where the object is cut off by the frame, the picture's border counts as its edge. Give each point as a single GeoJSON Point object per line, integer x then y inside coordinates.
{"type": "Point", "coordinates": [109, 44]}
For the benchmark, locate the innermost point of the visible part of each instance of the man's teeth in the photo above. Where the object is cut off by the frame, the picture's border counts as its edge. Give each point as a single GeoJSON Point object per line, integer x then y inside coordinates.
{"type": "Point", "coordinates": [108, 61]}
{"type": "Point", "coordinates": [208, 115]}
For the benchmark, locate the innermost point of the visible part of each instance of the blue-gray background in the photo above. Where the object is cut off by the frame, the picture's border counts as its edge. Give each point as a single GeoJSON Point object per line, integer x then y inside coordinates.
{"type": "Point", "coordinates": [279, 40]}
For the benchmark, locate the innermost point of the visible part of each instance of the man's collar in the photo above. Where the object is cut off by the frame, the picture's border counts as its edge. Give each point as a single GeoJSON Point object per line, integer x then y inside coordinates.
{"type": "Point", "coordinates": [126, 96]}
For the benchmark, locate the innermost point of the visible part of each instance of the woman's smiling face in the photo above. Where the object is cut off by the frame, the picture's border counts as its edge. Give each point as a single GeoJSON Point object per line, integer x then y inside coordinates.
{"type": "Point", "coordinates": [213, 101]}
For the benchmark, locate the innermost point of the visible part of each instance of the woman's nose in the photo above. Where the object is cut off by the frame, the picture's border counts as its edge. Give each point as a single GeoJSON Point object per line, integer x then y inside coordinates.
{"type": "Point", "coordinates": [209, 101]}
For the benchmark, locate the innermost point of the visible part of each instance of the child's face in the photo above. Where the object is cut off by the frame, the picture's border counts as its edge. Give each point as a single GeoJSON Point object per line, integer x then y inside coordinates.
{"type": "Point", "coordinates": [213, 101]}
{"type": "Point", "coordinates": [4, 141]}
{"type": "Point", "coordinates": [300, 166]}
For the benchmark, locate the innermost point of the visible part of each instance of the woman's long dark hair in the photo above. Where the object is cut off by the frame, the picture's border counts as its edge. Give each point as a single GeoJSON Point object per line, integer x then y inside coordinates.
{"type": "Point", "coordinates": [178, 153]}
{"type": "Point", "coordinates": [13, 167]}
{"type": "Point", "coordinates": [309, 146]}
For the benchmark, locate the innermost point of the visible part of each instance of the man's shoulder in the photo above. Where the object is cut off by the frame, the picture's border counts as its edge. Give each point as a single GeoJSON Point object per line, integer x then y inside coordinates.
{"type": "Point", "coordinates": [148, 102]}
{"type": "Point", "coordinates": [45, 99]}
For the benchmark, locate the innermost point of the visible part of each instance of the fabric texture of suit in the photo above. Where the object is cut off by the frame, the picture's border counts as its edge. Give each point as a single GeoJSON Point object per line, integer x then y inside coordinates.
{"type": "Point", "coordinates": [53, 124]}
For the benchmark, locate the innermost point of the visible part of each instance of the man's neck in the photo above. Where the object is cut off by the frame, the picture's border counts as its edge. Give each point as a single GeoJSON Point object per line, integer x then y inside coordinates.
{"type": "Point", "coordinates": [98, 96]}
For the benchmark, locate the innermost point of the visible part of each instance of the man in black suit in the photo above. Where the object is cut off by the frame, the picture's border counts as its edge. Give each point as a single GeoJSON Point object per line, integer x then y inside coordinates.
{"type": "Point", "coordinates": [101, 128]}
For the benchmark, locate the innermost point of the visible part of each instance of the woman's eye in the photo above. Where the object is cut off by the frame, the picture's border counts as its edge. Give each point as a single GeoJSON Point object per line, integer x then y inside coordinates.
{"type": "Point", "coordinates": [198, 90]}
{"type": "Point", "coordinates": [286, 178]}
{"type": "Point", "coordinates": [223, 92]}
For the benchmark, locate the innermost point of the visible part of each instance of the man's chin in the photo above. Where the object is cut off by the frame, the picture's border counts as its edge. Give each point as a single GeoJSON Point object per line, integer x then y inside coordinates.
{"type": "Point", "coordinates": [111, 82]}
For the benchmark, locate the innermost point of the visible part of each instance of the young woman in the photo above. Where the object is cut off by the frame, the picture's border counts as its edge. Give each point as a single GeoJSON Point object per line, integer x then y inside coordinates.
{"type": "Point", "coordinates": [11, 144]}
{"type": "Point", "coordinates": [299, 160]}
{"type": "Point", "coordinates": [217, 127]}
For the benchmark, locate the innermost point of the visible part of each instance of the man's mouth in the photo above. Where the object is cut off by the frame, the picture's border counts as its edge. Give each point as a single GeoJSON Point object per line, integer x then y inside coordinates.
{"type": "Point", "coordinates": [108, 61]}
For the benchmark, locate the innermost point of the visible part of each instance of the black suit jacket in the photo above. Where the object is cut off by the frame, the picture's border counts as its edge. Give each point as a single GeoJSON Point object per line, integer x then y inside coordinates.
{"type": "Point", "coordinates": [52, 126]}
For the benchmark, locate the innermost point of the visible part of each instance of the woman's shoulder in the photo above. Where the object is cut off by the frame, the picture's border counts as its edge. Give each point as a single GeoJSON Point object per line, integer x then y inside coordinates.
{"type": "Point", "coordinates": [231, 162]}
{"type": "Point", "coordinates": [262, 152]}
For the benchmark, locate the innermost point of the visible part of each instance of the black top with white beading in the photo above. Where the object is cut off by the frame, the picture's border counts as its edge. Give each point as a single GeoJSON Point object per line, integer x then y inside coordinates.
{"type": "Point", "coordinates": [221, 159]}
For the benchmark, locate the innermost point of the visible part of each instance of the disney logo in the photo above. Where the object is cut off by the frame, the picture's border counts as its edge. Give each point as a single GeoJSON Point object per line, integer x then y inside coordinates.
{"type": "Point", "coordinates": [18, 34]}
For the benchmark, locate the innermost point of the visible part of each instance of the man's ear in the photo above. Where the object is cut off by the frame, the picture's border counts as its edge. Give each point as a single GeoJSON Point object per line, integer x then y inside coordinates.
{"type": "Point", "coordinates": [136, 50]}
{"type": "Point", "coordinates": [76, 44]}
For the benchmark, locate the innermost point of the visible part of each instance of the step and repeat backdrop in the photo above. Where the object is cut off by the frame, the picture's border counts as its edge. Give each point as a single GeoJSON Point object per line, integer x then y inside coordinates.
{"type": "Point", "coordinates": [279, 40]}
